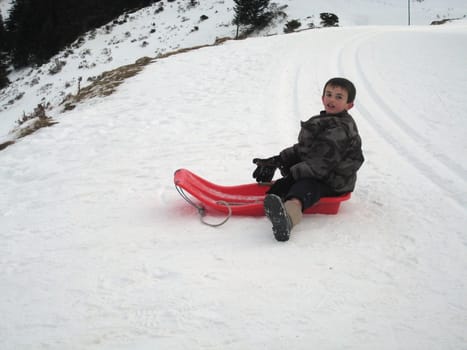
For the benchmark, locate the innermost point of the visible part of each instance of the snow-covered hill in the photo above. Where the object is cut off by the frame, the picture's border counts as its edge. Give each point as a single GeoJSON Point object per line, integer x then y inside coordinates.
{"type": "Point", "coordinates": [98, 250]}
{"type": "Point", "coordinates": [168, 26]}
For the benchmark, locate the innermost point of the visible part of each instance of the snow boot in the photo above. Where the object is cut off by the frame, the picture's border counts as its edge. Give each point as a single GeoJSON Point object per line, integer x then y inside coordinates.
{"type": "Point", "coordinates": [277, 214]}
{"type": "Point", "coordinates": [294, 210]}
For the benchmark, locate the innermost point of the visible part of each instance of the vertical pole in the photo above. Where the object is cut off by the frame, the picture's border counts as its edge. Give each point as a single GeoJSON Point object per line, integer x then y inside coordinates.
{"type": "Point", "coordinates": [408, 4]}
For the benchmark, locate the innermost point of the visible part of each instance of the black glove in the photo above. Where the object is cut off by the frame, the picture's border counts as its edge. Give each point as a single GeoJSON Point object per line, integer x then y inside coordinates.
{"type": "Point", "coordinates": [282, 186]}
{"type": "Point", "coordinates": [266, 168]}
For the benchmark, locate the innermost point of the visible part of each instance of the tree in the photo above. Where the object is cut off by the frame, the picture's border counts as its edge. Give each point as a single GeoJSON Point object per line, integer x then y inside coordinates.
{"type": "Point", "coordinates": [37, 30]}
{"type": "Point", "coordinates": [251, 13]}
{"type": "Point", "coordinates": [3, 55]}
{"type": "Point", "coordinates": [2, 34]}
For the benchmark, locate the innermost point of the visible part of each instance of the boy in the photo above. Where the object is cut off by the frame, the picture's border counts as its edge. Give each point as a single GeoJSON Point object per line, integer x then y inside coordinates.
{"type": "Point", "coordinates": [323, 163]}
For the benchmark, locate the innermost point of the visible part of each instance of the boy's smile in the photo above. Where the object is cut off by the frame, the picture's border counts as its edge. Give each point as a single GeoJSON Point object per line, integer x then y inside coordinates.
{"type": "Point", "coordinates": [335, 100]}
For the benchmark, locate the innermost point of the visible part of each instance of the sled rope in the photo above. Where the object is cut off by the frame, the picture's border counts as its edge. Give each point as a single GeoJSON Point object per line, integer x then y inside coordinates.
{"type": "Point", "coordinates": [202, 210]}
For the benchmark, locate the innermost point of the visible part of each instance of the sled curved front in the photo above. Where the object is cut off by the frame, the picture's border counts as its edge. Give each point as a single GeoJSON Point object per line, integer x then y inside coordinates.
{"type": "Point", "coordinates": [244, 199]}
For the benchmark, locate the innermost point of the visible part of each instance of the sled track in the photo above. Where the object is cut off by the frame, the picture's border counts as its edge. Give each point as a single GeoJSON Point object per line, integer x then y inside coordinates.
{"type": "Point", "coordinates": [407, 138]}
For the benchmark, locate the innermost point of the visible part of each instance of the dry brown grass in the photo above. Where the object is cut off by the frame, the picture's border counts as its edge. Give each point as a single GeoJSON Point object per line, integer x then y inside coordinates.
{"type": "Point", "coordinates": [6, 144]}
{"type": "Point", "coordinates": [29, 124]}
{"type": "Point", "coordinates": [446, 20]}
{"type": "Point", "coordinates": [37, 124]}
{"type": "Point", "coordinates": [106, 83]}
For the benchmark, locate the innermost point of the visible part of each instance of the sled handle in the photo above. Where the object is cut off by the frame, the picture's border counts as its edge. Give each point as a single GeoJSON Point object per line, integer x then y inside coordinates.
{"type": "Point", "coordinates": [223, 221]}
{"type": "Point", "coordinates": [202, 210]}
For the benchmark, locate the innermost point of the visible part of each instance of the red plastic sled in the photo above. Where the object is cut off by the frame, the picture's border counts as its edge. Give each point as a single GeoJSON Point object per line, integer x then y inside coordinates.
{"type": "Point", "coordinates": [242, 199]}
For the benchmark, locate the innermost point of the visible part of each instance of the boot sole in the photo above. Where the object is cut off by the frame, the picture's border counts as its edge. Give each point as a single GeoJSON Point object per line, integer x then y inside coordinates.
{"type": "Point", "coordinates": [276, 213]}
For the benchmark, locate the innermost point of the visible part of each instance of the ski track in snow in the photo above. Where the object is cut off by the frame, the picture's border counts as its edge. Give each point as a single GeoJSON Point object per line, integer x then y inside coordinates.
{"type": "Point", "coordinates": [439, 167]}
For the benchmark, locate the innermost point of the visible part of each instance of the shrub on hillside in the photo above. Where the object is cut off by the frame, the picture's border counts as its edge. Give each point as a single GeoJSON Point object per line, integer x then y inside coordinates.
{"type": "Point", "coordinates": [56, 66]}
{"type": "Point", "coordinates": [329, 19]}
{"type": "Point", "coordinates": [30, 123]}
{"type": "Point", "coordinates": [291, 26]}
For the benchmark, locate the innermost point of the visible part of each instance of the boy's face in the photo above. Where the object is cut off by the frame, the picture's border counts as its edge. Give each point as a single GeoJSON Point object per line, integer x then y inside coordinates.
{"type": "Point", "coordinates": [335, 100]}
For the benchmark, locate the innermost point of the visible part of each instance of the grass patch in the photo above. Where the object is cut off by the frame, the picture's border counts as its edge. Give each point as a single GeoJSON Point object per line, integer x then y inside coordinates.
{"type": "Point", "coordinates": [6, 144]}
{"type": "Point", "coordinates": [106, 83]}
{"type": "Point", "coordinates": [29, 124]}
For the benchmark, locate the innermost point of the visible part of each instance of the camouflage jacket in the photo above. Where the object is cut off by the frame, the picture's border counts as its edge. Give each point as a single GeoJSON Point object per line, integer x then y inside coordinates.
{"type": "Point", "coordinates": [329, 149]}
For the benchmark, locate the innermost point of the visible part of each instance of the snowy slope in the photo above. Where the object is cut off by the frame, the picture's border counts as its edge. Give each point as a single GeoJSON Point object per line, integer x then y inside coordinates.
{"type": "Point", "coordinates": [99, 251]}
{"type": "Point", "coordinates": [151, 32]}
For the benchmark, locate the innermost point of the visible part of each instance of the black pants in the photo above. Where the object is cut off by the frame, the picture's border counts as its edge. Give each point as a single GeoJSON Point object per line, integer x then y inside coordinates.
{"type": "Point", "coordinates": [309, 191]}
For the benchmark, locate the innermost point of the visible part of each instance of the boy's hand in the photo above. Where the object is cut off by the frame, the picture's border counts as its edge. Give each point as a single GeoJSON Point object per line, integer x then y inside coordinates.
{"type": "Point", "coordinates": [265, 168]}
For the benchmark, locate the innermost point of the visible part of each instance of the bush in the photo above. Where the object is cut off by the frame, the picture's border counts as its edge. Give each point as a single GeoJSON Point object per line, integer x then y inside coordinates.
{"type": "Point", "coordinates": [291, 26]}
{"type": "Point", "coordinates": [329, 19]}
{"type": "Point", "coordinates": [35, 121]}
{"type": "Point", "coordinates": [56, 66]}
{"type": "Point", "coordinates": [159, 9]}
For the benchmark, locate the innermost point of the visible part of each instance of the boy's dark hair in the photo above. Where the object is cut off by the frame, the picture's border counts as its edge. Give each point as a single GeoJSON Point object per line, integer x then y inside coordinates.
{"type": "Point", "coordinates": [345, 84]}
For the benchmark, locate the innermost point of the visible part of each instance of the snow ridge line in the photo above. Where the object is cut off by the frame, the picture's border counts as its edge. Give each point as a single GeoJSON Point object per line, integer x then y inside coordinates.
{"type": "Point", "coordinates": [351, 51]}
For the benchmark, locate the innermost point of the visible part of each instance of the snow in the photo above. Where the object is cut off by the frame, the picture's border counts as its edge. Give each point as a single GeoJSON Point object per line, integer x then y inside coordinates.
{"type": "Point", "coordinates": [100, 252]}
{"type": "Point", "coordinates": [150, 32]}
